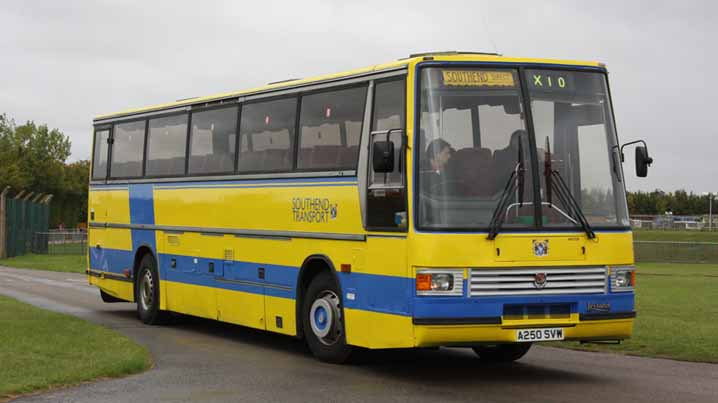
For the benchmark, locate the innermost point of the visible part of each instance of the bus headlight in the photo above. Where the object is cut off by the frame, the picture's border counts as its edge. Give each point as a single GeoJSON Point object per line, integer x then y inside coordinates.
{"type": "Point", "coordinates": [448, 282]}
{"type": "Point", "coordinates": [623, 278]}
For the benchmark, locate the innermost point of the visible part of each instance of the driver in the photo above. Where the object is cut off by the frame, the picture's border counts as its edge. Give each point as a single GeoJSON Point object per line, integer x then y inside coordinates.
{"type": "Point", "coordinates": [438, 154]}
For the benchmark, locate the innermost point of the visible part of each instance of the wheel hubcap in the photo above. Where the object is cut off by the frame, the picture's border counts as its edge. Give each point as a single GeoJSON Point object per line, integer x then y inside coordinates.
{"type": "Point", "coordinates": [325, 317]}
{"type": "Point", "coordinates": [146, 290]}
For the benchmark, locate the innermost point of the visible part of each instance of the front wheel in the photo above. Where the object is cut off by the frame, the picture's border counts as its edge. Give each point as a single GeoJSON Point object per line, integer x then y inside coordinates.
{"type": "Point", "coordinates": [502, 352]}
{"type": "Point", "coordinates": [323, 320]}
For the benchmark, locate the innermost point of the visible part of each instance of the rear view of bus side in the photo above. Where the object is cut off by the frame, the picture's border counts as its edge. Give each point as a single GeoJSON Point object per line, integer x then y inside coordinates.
{"type": "Point", "coordinates": [441, 200]}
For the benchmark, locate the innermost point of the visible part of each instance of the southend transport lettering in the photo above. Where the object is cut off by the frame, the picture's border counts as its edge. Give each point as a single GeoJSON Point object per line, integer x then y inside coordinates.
{"type": "Point", "coordinates": [313, 210]}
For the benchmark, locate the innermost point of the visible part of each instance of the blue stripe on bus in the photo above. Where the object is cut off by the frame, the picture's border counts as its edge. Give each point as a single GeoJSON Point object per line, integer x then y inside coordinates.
{"type": "Point", "coordinates": [386, 294]}
{"type": "Point", "coordinates": [110, 260]}
{"type": "Point", "coordinates": [142, 211]}
{"type": "Point", "coordinates": [376, 293]}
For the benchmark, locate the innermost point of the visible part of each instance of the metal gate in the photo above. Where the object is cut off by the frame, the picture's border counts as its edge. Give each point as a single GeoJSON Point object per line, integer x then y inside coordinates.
{"type": "Point", "coordinates": [21, 217]}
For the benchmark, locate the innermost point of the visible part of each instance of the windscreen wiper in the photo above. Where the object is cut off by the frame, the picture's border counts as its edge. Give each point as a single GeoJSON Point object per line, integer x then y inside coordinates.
{"type": "Point", "coordinates": [555, 183]}
{"type": "Point", "coordinates": [516, 179]}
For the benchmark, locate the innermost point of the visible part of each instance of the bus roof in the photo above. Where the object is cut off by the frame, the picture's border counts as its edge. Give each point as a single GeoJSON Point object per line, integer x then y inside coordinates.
{"type": "Point", "coordinates": [434, 56]}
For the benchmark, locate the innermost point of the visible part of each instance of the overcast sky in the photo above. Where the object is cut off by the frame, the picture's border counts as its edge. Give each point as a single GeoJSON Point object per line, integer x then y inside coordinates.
{"type": "Point", "coordinates": [63, 62]}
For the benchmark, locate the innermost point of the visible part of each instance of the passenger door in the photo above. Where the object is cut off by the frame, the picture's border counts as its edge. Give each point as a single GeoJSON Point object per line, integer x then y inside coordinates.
{"type": "Point", "coordinates": [384, 213]}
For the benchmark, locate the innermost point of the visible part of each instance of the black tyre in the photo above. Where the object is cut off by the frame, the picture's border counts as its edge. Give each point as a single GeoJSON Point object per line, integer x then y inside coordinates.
{"type": "Point", "coordinates": [502, 352]}
{"type": "Point", "coordinates": [147, 292]}
{"type": "Point", "coordinates": [323, 320]}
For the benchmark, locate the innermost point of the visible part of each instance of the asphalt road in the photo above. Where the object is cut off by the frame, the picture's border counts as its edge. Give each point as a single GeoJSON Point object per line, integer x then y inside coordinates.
{"type": "Point", "coordinates": [204, 361]}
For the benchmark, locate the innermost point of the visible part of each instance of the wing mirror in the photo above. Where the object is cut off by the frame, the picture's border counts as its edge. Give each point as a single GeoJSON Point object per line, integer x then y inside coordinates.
{"type": "Point", "coordinates": [643, 160]}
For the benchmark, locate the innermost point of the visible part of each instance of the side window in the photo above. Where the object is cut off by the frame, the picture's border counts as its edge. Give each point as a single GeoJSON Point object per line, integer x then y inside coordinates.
{"type": "Point", "coordinates": [167, 142]}
{"type": "Point", "coordinates": [330, 129]}
{"type": "Point", "coordinates": [267, 136]}
{"type": "Point", "coordinates": [127, 150]}
{"type": "Point", "coordinates": [99, 156]}
{"type": "Point", "coordinates": [386, 195]}
{"type": "Point", "coordinates": [213, 139]}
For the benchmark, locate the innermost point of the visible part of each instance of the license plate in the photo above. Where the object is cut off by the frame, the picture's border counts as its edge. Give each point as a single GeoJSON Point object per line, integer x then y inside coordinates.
{"type": "Point", "coordinates": [544, 334]}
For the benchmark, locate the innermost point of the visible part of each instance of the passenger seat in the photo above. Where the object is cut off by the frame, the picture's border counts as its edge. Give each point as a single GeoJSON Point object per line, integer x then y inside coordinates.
{"type": "Point", "coordinates": [472, 169]}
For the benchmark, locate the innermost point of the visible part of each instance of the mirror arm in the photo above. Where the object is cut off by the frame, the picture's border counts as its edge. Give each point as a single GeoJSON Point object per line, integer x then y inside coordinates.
{"type": "Point", "coordinates": [623, 158]}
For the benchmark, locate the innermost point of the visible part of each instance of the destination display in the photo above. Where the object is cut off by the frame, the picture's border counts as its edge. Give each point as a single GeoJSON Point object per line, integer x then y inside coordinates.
{"type": "Point", "coordinates": [543, 80]}
{"type": "Point", "coordinates": [478, 78]}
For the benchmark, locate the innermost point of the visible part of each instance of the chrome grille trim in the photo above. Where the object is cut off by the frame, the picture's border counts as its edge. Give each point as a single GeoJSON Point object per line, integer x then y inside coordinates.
{"type": "Point", "coordinates": [520, 281]}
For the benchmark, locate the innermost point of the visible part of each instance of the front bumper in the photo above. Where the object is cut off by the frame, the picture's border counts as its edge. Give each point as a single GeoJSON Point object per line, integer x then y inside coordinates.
{"type": "Point", "coordinates": [466, 335]}
{"type": "Point", "coordinates": [470, 321]}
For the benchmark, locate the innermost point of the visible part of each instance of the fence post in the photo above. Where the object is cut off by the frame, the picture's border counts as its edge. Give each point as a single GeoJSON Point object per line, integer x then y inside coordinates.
{"type": "Point", "coordinates": [44, 221]}
{"type": "Point", "coordinates": [3, 223]}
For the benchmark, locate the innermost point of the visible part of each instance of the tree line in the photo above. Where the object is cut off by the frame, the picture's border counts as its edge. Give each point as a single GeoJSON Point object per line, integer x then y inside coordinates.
{"type": "Point", "coordinates": [34, 158]}
{"type": "Point", "coordinates": [679, 202]}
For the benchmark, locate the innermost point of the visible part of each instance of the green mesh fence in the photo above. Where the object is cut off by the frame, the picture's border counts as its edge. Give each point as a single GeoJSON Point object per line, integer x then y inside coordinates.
{"type": "Point", "coordinates": [23, 218]}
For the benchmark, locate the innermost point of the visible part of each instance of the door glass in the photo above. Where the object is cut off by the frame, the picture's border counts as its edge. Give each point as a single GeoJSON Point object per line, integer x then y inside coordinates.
{"type": "Point", "coordinates": [386, 196]}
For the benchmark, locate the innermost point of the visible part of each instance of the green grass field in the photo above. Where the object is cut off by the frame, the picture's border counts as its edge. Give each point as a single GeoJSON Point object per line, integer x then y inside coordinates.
{"type": "Point", "coordinates": [42, 349]}
{"type": "Point", "coordinates": [68, 263]}
{"type": "Point", "coordinates": [677, 313]}
{"type": "Point", "coordinates": [679, 236]}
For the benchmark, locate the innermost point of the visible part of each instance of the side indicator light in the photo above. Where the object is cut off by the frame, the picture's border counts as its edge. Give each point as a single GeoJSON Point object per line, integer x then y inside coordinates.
{"type": "Point", "coordinates": [423, 282]}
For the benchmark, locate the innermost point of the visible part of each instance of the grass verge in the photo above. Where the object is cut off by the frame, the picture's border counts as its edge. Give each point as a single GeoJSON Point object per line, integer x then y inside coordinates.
{"type": "Point", "coordinates": [68, 263]}
{"type": "Point", "coordinates": [676, 314]}
{"type": "Point", "coordinates": [42, 349]}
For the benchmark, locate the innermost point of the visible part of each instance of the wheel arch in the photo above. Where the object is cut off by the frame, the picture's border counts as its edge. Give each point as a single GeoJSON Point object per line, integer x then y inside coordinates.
{"type": "Point", "coordinates": [311, 267]}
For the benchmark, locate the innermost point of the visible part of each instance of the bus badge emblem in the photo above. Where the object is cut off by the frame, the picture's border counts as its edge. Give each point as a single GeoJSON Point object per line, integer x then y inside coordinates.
{"type": "Point", "coordinates": [541, 248]}
{"type": "Point", "coordinates": [540, 280]}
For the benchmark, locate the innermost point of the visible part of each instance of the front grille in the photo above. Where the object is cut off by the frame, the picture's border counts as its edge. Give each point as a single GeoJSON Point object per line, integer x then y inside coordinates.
{"type": "Point", "coordinates": [532, 312]}
{"type": "Point", "coordinates": [523, 281]}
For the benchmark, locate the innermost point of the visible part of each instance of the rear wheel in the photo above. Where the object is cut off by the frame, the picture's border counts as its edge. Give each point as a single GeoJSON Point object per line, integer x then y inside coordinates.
{"type": "Point", "coordinates": [147, 293]}
{"type": "Point", "coordinates": [323, 320]}
{"type": "Point", "coordinates": [502, 352]}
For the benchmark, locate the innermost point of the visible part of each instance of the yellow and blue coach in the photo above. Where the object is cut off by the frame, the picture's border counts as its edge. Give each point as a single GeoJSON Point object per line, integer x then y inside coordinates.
{"type": "Point", "coordinates": [445, 199]}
